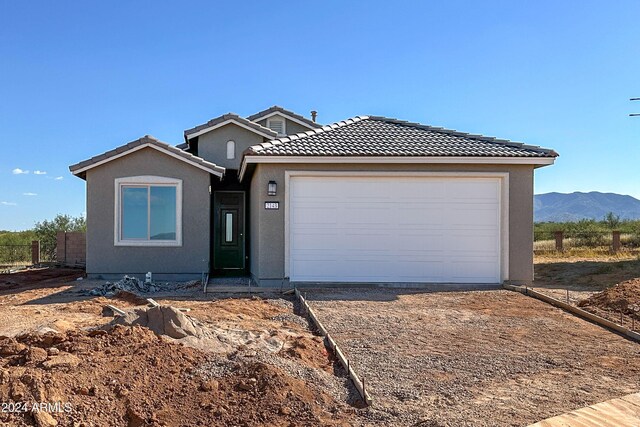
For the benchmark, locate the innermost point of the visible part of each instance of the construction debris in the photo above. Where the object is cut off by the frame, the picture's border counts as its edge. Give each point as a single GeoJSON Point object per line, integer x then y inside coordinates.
{"type": "Point", "coordinates": [115, 310]}
{"type": "Point", "coordinates": [154, 303]}
{"type": "Point", "coordinates": [134, 285]}
{"type": "Point", "coordinates": [172, 324]}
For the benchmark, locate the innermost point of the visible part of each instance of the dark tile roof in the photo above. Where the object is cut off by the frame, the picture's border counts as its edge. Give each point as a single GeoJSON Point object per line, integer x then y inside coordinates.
{"type": "Point", "coordinates": [278, 109]}
{"type": "Point", "coordinates": [381, 136]}
{"type": "Point", "coordinates": [147, 139]}
{"type": "Point", "coordinates": [231, 116]}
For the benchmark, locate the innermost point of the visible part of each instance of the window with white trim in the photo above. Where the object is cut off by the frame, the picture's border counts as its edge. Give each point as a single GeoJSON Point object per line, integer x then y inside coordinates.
{"type": "Point", "coordinates": [148, 211]}
{"type": "Point", "coordinates": [277, 125]}
{"type": "Point", "coordinates": [231, 150]}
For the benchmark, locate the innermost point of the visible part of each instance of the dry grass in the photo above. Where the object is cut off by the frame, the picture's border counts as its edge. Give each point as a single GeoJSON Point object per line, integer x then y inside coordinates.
{"type": "Point", "coordinates": [584, 254]}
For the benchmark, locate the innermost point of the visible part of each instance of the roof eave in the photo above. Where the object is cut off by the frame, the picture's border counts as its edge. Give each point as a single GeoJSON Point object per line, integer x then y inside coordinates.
{"type": "Point", "coordinates": [79, 169]}
{"type": "Point", "coordinates": [252, 158]}
{"type": "Point", "coordinates": [260, 115]}
{"type": "Point", "coordinates": [226, 119]}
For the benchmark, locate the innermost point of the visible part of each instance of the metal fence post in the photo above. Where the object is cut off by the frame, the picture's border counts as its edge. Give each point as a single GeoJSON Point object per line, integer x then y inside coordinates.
{"type": "Point", "coordinates": [559, 235]}
{"type": "Point", "coordinates": [35, 252]}
{"type": "Point", "coordinates": [616, 245]}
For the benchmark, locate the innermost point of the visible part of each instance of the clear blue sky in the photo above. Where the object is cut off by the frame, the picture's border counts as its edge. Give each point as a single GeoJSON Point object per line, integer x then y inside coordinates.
{"type": "Point", "coordinates": [79, 78]}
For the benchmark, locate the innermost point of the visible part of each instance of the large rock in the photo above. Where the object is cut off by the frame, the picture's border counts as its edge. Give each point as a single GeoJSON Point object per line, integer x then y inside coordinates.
{"type": "Point", "coordinates": [163, 320]}
{"type": "Point", "coordinates": [44, 419]}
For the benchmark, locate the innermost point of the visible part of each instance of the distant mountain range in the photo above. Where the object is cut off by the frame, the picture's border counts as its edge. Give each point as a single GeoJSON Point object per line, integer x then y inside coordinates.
{"type": "Point", "coordinates": [561, 207]}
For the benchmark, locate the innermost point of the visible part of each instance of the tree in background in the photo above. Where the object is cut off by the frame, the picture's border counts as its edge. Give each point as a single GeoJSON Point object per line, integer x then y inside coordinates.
{"type": "Point", "coordinates": [47, 230]}
{"type": "Point", "coordinates": [612, 221]}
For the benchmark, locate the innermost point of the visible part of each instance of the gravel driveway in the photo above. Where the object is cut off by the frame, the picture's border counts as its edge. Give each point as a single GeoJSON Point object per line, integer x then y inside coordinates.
{"type": "Point", "coordinates": [485, 358]}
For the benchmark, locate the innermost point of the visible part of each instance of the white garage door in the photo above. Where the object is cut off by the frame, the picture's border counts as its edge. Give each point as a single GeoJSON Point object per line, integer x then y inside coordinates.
{"type": "Point", "coordinates": [394, 229]}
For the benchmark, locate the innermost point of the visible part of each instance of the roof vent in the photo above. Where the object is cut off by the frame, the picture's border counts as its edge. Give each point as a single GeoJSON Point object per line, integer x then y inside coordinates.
{"type": "Point", "coordinates": [277, 125]}
{"type": "Point", "coordinates": [314, 114]}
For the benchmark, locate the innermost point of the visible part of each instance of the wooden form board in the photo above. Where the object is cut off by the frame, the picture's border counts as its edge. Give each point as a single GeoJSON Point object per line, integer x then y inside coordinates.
{"type": "Point", "coordinates": [622, 412]}
{"type": "Point", "coordinates": [333, 346]}
{"type": "Point", "coordinates": [576, 310]}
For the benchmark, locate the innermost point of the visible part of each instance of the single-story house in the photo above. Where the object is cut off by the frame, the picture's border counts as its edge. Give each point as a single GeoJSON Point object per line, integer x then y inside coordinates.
{"type": "Point", "coordinates": [283, 199]}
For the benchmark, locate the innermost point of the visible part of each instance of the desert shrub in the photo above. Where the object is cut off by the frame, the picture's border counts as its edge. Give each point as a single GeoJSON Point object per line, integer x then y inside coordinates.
{"type": "Point", "coordinates": [587, 232]}
{"type": "Point", "coordinates": [633, 237]}
{"type": "Point", "coordinates": [16, 238]}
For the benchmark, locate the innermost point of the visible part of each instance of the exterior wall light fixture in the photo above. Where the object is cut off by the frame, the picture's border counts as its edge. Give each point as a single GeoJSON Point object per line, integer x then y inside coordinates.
{"type": "Point", "coordinates": [272, 188]}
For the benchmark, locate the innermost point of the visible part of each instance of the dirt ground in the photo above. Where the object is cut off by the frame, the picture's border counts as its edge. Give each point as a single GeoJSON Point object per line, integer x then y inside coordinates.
{"type": "Point", "coordinates": [582, 276]}
{"type": "Point", "coordinates": [486, 358]}
{"type": "Point", "coordinates": [50, 352]}
{"type": "Point", "coordinates": [491, 358]}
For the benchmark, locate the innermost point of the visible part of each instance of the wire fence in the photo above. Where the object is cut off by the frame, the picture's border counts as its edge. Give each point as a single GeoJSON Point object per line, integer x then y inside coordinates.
{"type": "Point", "coordinates": [12, 256]}
{"type": "Point", "coordinates": [560, 241]}
{"type": "Point", "coordinates": [18, 256]}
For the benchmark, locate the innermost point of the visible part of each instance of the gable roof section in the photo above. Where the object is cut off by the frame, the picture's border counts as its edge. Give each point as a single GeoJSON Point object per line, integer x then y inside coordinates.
{"type": "Point", "coordinates": [271, 111]}
{"type": "Point", "coordinates": [80, 169]}
{"type": "Point", "coordinates": [225, 120]}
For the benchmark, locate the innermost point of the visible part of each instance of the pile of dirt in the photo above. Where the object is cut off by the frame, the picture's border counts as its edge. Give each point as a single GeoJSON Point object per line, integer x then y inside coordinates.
{"type": "Point", "coordinates": [170, 323]}
{"type": "Point", "coordinates": [623, 297]}
{"type": "Point", "coordinates": [129, 376]}
{"type": "Point", "coordinates": [135, 285]}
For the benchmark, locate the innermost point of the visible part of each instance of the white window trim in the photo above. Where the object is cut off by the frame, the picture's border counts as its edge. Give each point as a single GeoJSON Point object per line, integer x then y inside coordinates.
{"type": "Point", "coordinates": [231, 149]}
{"type": "Point", "coordinates": [146, 180]}
{"type": "Point", "coordinates": [278, 119]}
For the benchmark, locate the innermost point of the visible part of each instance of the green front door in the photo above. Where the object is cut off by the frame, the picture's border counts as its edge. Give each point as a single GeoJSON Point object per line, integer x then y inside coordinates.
{"type": "Point", "coordinates": [228, 230]}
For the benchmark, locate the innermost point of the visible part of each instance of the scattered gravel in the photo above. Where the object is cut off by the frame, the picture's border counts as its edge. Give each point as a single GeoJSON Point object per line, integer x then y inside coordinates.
{"type": "Point", "coordinates": [291, 318]}
{"type": "Point", "coordinates": [281, 302]}
{"type": "Point", "coordinates": [487, 358]}
{"type": "Point", "coordinates": [219, 366]}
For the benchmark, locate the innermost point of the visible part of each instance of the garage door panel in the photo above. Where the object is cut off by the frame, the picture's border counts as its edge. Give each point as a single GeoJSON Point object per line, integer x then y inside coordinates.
{"type": "Point", "coordinates": [473, 270]}
{"type": "Point", "coordinates": [467, 189]}
{"type": "Point", "coordinates": [361, 216]}
{"type": "Point", "coordinates": [420, 215]}
{"type": "Point", "coordinates": [313, 189]}
{"type": "Point", "coordinates": [420, 242]}
{"type": "Point", "coordinates": [394, 229]}
{"type": "Point", "coordinates": [314, 215]}
{"type": "Point", "coordinates": [469, 215]}
{"type": "Point", "coordinates": [474, 243]}
{"type": "Point", "coordinates": [318, 240]}
{"type": "Point", "coordinates": [362, 242]}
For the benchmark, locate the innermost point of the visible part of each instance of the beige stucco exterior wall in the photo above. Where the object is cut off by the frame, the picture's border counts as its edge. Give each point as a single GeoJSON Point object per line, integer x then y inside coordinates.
{"type": "Point", "coordinates": [212, 146]}
{"type": "Point", "coordinates": [188, 261]}
{"type": "Point", "coordinates": [267, 226]}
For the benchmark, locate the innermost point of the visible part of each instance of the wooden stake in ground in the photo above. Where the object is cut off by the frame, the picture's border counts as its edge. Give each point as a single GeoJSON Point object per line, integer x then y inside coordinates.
{"type": "Point", "coordinates": [153, 302]}
{"type": "Point", "coordinates": [115, 310]}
